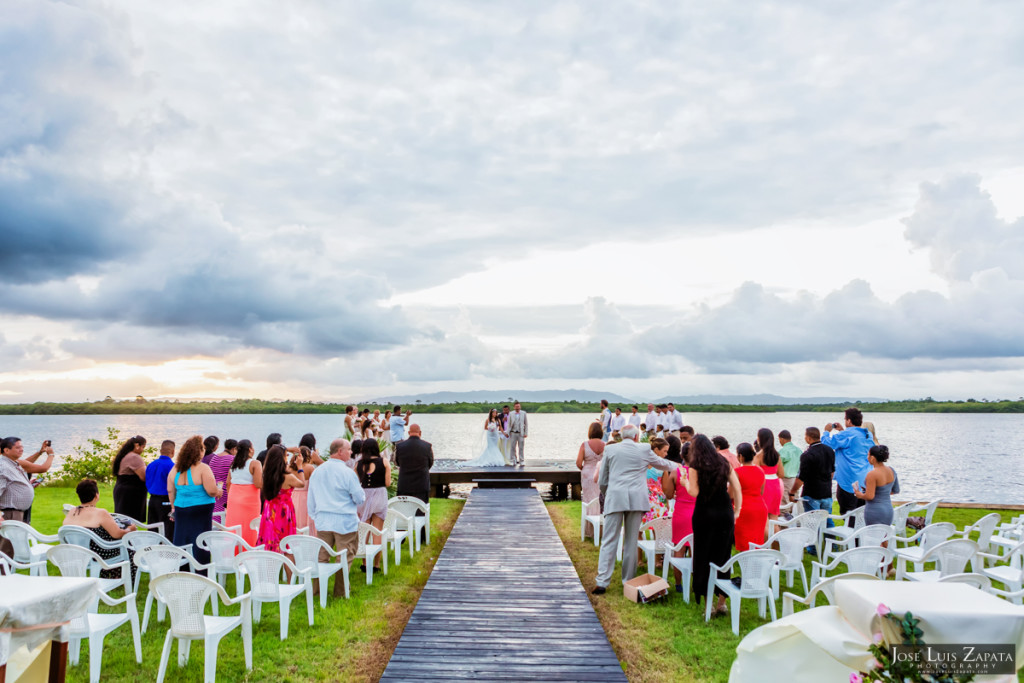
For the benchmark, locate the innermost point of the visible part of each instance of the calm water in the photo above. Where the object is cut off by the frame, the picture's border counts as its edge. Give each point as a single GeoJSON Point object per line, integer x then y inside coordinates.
{"type": "Point", "coordinates": [975, 458]}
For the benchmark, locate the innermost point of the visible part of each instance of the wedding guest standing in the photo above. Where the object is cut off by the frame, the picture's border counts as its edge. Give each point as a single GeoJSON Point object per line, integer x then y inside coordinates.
{"type": "Point", "coordinates": [374, 474]}
{"type": "Point", "coordinates": [722, 446]}
{"type": "Point", "coordinates": [130, 487]}
{"type": "Point", "coordinates": [193, 490]}
{"type": "Point", "coordinates": [712, 482]}
{"type": "Point", "coordinates": [651, 420]}
{"type": "Point", "coordinates": [814, 483]}
{"type": "Point", "coordinates": [414, 457]}
{"type": "Point", "coordinates": [334, 494]}
{"type": "Point", "coordinates": [879, 483]}
{"type": "Point", "coordinates": [753, 520]}
{"type": "Point", "coordinates": [606, 420]}
{"type": "Point", "coordinates": [398, 423]}
{"type": "Point", "coordinates": [305, 468]}
{"type": "Point", "coordinates": [350, 424]}
{"type": "Point", "coordinates": [682, 512]}
{"type": "Point", "coordinates": [220, 464]}
{"type": "Point", "coordinates": [245, 479]}
{"type": "Point", "coordinates": [210, 444]}
{"type": "Point", "coordinates": [789, 462]}
{"type": "Point", "coordinates": [768, 460]}
{"type": "Point", "coordinates": [278, 517]}
{"type": "Point", "coordinates": [655, 492]}
{"type": "Point", "coordinates": [16, 493]}
{"type": "Point", "coordinates": [159, 509]}
{"type": "Point", "coordinates": [635, 418]}
{"type": "Point", "coordinates": [618, 421]}
{"type": "Point", "coordinates": [309, 441]}
{"type": "Point", "coordinates": [29, 465]}
{"type": "Point", "coordinates": [588, 460]}
{"type": "Point", "coordinates": [851, 444]}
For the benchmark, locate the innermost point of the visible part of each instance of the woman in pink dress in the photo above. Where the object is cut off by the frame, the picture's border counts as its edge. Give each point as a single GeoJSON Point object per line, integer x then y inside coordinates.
{"type": "Point", "coordinates": [767, 458]}
{"type": "Point", "coordinates": [672, 484]}
{"type": "Point", "coordinates": [589, 460]}
{"type": "Point", "coordinates": [655, 492]}
{"type": "Point", "coordinates": [278, 518]}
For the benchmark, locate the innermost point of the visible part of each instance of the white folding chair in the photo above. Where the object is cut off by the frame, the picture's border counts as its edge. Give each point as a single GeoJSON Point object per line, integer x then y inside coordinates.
{"type": "Point", "coordinates": [845, 525]}
{"type": "Point", "coordinates": [158, 560]}
{"type": "Point", "coordinates": [825, 587]}
{"type": "Point", "coordinates": [76, 561]}
{"type": "Point", "coordinates": [683, 564]}
{"type": "Point", "coordinates": [870, 535]}
{"type": "Point", "coordinates": [306, 551]}
{"type": "Point", "coordinates": [398, 528]}
{"type": "Point", "coordinates": [368, 550]}
{"type": "Point", "coordinates": [264, 570]}
{"type": "Point", "coordinates": [657, 538]}
{"type": "Point", "coordinates": [985, 528]}
{"type": "Point", "coordinates": [928, 508]}
{"type": "Point", "coordinates": [137, 540]}
{"type": "Point", "coordinates": [410, 506]}
{"type": "Point", "coordinates": [756, 570]}
{"type": "Point", "coordinates": [30, 546]}
{"type": "Point", "coordinates": [94, 627]}
{"type": "Point", "coordinates": [927, 538]}
{"type": "Point", "coordinates": [791, 544]}
{"type": "Point", "coordinates": [950, 557]}
{"type": "Point", "coordinates": [814, 520]}
{"type": "Point", "coordinates": [185, 596]}
{"type": "Point", "coordinates": [223, 546]}
{"type": "Point", "coordinates": [590, 511]}
{"type": "Point", "coordinates": [865, 559]}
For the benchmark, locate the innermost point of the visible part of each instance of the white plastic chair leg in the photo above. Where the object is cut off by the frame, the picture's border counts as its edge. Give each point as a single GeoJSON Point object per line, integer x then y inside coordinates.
{"type": "Point", "coordinates": [164, 656]}
{"type": "Point", "coordinates": [184, 647]}
{"type": "Point", "coordinates": [286, 608]}
{"type": "Point", "coordinates": [133, 617]}
{"type": "Point", "coordinates": [734, 613]}
{"type": "Point", "coordinates": [309, 602]}
{"type": "Point", "coordinates": [74, 650]}
{"type": "Point", "coordinates": [210, 665]}
{"type": "Point", "coordinates": [256, 610]}
{"type": "Point", "coordinates": [95, 656]}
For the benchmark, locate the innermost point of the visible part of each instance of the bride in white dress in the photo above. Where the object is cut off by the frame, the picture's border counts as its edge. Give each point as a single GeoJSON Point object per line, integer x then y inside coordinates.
{"type": "Point", "coordinates": [491, 457]}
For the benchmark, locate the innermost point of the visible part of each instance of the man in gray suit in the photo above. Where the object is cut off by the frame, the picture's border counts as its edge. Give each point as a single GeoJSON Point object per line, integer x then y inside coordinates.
{"type": "Point", "coordinates": [623, 481]}
{"type": "Point", "coordinates": [517, 432]}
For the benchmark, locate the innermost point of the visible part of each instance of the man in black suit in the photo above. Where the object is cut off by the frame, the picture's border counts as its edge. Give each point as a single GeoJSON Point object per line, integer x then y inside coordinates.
{"type": "Point", "coordinates": [414, 458]}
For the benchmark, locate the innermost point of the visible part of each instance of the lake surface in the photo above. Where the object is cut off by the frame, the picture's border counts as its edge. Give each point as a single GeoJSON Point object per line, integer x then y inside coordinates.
{"type": "Point", "coordinates": [958, 457]}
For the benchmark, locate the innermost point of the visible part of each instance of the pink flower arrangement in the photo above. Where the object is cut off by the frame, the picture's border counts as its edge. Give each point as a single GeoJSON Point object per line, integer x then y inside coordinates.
{"type": "Point", "coordinates": [882, 610]}
{"type": "Point", "coordinates": [856, 678]}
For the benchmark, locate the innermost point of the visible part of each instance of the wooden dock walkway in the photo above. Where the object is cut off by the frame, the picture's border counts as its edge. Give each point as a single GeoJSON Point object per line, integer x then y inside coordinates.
{"type": "Point", "coordinates": [504, 603]}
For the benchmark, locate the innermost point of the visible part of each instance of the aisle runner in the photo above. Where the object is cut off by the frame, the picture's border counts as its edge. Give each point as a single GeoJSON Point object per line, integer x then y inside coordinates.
{"type": "Point", "coordinates": [504, 603]}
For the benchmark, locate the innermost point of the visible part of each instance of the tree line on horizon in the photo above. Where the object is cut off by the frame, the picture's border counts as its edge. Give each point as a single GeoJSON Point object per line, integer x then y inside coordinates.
{"type": "Point", "coordinates": [142, 406]}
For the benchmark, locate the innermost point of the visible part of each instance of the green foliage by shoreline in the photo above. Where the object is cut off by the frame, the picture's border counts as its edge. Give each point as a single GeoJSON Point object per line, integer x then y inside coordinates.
{"type": "Point", "coordinates": [141, 406]}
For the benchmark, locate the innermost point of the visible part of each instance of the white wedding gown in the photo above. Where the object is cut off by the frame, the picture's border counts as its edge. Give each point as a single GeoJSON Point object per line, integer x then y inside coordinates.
{"type": "Point", "coordinates": [491, 457]}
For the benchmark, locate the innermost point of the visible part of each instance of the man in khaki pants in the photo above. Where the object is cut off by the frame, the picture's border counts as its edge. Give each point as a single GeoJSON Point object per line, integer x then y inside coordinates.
{"type": "Point", "coordinates": [334, 494]}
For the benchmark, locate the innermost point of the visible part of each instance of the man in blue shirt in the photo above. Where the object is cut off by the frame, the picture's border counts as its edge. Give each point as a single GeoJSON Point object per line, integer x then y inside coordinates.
{"type": "Point", "coordinates": [333, 495]}
{"type": "Point", "coordinates": [851, 444]}
{"type": "Point", "coordinates": [398, 423]}
{"type": "Point", "coordinates": [156, 483]}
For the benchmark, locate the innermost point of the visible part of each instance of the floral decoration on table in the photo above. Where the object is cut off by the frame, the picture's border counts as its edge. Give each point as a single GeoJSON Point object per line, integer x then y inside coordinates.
{"type": "Point", "coordinates": [886, 667]}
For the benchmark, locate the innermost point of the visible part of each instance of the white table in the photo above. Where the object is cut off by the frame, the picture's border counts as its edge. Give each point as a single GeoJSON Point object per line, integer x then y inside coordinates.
{"type": "Point", "coordinates": [34, 609]}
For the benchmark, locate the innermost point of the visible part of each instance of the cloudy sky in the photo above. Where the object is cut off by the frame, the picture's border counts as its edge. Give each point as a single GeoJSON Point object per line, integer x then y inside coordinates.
{"type": "Point", "coordinates": [323, 200]}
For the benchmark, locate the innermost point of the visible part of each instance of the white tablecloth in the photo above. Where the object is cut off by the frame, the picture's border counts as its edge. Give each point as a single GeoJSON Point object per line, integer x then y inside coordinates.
{"type": "Point", "coordinates": [28, 602]}
{"type": "Point", "coordinates": [828, 643]}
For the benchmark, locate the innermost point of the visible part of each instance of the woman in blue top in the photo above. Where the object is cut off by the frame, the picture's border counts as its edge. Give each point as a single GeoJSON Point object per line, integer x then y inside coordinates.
{"type": "Point", "coordinates": [193, 490]}
{"type": "Point", "coordinates": [878, 484]}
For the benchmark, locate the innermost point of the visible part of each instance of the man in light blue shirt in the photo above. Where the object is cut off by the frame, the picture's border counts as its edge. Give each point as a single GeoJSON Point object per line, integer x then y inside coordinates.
{"type": "Point", "coordinates": [398, 423]}
{"type": "Point", "coordinates": [851, 444]}
{"type": "Point", "coordinates": [334, 494]}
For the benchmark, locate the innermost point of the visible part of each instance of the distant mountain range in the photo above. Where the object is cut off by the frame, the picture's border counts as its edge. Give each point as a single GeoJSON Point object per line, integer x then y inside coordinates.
{"type": "Point", "coordinates": [586, 396]}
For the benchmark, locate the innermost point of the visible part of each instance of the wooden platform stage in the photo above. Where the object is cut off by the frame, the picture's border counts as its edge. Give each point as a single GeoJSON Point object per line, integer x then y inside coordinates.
{"type": "Point", "coordinates": [504, 603]}
{"type": "Point", "coordinates": [563, 479]}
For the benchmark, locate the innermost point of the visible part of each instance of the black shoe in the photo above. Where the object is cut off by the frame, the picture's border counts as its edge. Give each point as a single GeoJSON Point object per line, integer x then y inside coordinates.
{"type": "Point", "coordinates": [599, 590]}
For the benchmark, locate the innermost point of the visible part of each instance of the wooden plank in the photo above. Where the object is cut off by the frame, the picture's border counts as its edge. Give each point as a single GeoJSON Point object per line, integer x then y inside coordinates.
{"type": "Point", "coordinates": [504, 602]}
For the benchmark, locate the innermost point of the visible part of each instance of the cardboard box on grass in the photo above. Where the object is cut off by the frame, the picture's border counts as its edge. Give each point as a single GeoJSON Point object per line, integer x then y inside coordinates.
{"type": "Point", "coordinates": [645, 588]}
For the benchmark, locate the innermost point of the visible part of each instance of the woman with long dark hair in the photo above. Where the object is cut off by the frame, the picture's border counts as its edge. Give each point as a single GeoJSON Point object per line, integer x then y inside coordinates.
{"type": "Point", "coordinates": [672, 484]}
{"type": "Point", "coordinates": [374, 474]}
{"type": "Point", "coordinates": [753, 520]}
{"type": "Point", "coordinates": [303, 462]}
{"type": "Point", "coordinates": [279, 478]}
{"type": "Point", "coordinates": [711, 482]}
{"type": "Point", "coordinates": [130, 485]}
{"type": "Point", "coordinates": [192, 489]}
{"type": "Point", "coordinates": [245, 479]}
{"type": "Point", "coordinates": [767, 458]}
{"type": "Point", "coordinates": [309, 441]}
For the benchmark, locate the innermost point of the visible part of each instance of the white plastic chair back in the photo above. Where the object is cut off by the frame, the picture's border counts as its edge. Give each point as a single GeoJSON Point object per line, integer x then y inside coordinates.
{"type": "Point", "coordinates": [792, 543]}
{"type": "Point", "coordinates": [828, 586]}
{"type": "Point", "coordinates": [20, 535]}
{"type": "Point", "coordinates": [222, 545]}
{"type": "Point", "coordinates": [82, 537]}
{"type": "Point", "coordinates": [813, 520]}
{"type": "Point", "coordinates": [979, 581]}
{"type": "Point", "coordinates": [858, 517]}
{"type": "Point", "coordinates": [5, 566]}
{"type": "Point", "coordinates": [264, 568]}
{"type": "Point", "coordinates": [368, 535]}
{"type": "Point", "coordinates": [592, 507]}
{"type": "Point", "coordinates": [305, 550]}
{"type": "Point", "coordinates": [137, 540]}
{"type": "Point", "coordinates": [756, 569]}
{"type": "Point", "coordinates": [185, 596]}
{"type": "Point", "coordinates": [406, 505]}
{"type": "Point", "coordinates": [872, 535]}
{"type": "Point", "coordinates": [161, 559]}
{"type": "Point", "coordinates": [937, 533]}
{"type": "Point", "coordinates": [953, 556]}
{"type": "Point", "coordinates": [865, 559]}
{"type": "Point", "coordinates": [929, 510]}
{"type": "Point", "coordinates": [72, 560]}
{"type": "Point", "coordinates": [390, 523]}
{"type": "Point", "coordinates": [899, 517]}
{"type": "Point", "coordinates": [662, 529]}
{"type": "Point", "coordinates": [986, 528]}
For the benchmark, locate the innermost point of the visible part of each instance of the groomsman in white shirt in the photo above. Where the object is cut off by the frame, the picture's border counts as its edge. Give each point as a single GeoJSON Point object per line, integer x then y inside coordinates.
{"type": "Point", "coordinates": [651, 421]}
{"type": "Point", "coordinates": [673, 420]}
{"type": "Point", "coordinates": [606, 420]}
{"type": "Point", "coordinates": [618, 421]}
{"type": "Point", "coordinates": [635, 419]}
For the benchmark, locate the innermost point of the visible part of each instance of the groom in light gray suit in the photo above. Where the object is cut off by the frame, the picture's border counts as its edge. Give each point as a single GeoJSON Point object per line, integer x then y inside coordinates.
{"type": "Point", "coordinates": [623, 480]}
{"type": "Point", "coordinates": [518, 430]}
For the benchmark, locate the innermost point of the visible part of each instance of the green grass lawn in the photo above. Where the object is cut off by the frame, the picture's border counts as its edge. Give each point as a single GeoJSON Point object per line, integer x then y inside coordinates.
{"type": "Point", "coordinates": [669, 640]}
{"type": "Point", "coordinates": [351, 640]}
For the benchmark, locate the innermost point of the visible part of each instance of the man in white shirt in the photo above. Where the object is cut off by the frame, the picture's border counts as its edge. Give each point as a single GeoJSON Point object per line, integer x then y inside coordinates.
{"type": "Point", "coordinates": [333, 496]}
{"type": "Point", "coordinates": [518, 430]}
{"type": "Point", "coordinates": [635, 418]}
{"type": "Point", "coordinates": [672, 420]}
{"type": "Point", "coordinates": [606, 421]}
{"type": "Point", "coordinates": [617, 422]}
{"type": "Point", "coordinates": [651, 421]}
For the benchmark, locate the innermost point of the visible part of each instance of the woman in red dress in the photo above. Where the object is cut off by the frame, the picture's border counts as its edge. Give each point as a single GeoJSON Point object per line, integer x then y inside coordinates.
{"type": "Point", "coordinates": [768, 459]}
{"type": "Point", "coordinates": [753, 517]}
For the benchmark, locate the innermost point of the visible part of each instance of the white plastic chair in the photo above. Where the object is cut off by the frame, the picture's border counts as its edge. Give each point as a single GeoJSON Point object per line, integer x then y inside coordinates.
{"type": "Point", "coordinates": [683, 564]}
{"type": "Point", "coordinates": [791, 544]}
{"type": "Point", "coordinates": [985, 528]}
{"type": "Point", "coordinates": [222, 546]}
{"type": "Point", "coordinates": [264, 570]}
{"type": "Point", "coordinates": [368, 550]}
{"type": "Point", "coordinates": [826, 587]}
{"type": "Point", "coordinates": [158, 560]}
{"type": "Point", "coordinates": [82, 537]}
{"type": "Point", "coordinates": [94, 627]}
{"type": "Point", "coordinates": [927, 538]}
{"type": "Point", "coordinates": [185, 596]}
{"type": "Point", "coordinates": [899, 518]}
{"type": "Point", "coordinates": [950, 557]}
{"type": "Point", "coordinates": [306, 551]}
{"type": "Point", "coordinates": [815, 520]}
{"type": "Point", "coordinates": [660, 528]}
{"type": "Point", "coordinates": [397, 528]}
{"type": "Point", "coordinates": [865, 559]}
{"type": "Point", "coordinates": [155, 527]}
{"type": "Point", "coordinates": [1008, 570]}
{"type": "Point", "coordinates": [870, 535]}
{"type": "Point", "coordinates": [756, 570]}
{"type": "Point", "coordinates": [30, 546]}
{"type": "Point", "coordinates": [137, 540]}
{"type": "Point", "coordinates": [928, 508]}
{"type": "Point", "coordinates": [76, 561]}
{"type": "Point", "coordinates": [590, 511]}
{"type": "Point", "coordinates": [409, 506]}
{"type": "Point", "coordinates": [979, 581]}
{"type": "Point", "coordinates": [845, 525]}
